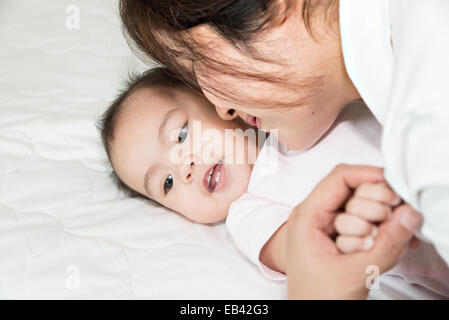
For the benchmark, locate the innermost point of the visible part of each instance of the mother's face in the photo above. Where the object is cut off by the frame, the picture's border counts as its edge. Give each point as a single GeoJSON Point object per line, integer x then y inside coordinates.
{"type": "Point", "coordinates": [303, 109]}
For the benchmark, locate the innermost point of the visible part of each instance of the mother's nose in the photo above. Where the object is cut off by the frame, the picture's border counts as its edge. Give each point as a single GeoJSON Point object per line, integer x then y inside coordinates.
{"type": "Point", "coordinates": [226, 113]}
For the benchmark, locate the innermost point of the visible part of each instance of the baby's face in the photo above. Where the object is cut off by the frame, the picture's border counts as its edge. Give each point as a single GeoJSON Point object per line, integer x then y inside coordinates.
{"type": "Point", "coordinates": [161, 150]}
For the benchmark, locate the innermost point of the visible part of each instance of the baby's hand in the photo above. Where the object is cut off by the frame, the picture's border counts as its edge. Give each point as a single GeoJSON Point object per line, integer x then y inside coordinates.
{"type": "Point", "coordinates": [370, 204]}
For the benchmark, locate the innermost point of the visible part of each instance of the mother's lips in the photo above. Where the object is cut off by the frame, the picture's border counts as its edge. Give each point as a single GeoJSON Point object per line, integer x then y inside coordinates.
{"type": "Point", "coordinates": [253, 121]}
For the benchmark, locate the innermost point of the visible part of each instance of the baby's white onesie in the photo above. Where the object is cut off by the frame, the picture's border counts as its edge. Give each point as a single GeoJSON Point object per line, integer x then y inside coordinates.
{"type": "Point", "coordinates": [281, 179]}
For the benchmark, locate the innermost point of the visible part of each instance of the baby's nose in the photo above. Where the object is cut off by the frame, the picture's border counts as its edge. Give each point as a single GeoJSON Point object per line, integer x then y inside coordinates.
{"type": "Point", "coordinates": [187, 171]}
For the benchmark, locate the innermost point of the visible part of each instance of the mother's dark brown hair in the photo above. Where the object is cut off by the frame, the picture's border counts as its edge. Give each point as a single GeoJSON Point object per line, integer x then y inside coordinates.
{"type": "Point", "coordinates": [159, 30]}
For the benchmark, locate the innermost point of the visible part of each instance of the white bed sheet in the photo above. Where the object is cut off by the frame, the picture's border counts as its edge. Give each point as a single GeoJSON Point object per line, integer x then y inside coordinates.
{"type": "Point", "coordinates": [65, 231]}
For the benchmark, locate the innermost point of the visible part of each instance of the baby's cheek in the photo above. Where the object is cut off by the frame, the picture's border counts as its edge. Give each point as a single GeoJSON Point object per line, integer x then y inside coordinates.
{"type": "Point", "coordinates": [205, 211]}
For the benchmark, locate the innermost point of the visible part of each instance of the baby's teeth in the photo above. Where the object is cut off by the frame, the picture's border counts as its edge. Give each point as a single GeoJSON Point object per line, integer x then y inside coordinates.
{"type": "Point", "coordinates": [217, 177]}
{"type": "Point", "coordinates": [208, 179]}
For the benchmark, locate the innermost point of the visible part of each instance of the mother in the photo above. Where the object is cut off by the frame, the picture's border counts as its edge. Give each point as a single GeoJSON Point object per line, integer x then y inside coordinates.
{"type": "Point", "coordinates": [293, 65]}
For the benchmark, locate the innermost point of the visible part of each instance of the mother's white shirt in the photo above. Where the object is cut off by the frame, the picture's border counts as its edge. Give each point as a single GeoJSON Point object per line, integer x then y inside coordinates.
{"type": "Point", "coordinates": [397, 54]}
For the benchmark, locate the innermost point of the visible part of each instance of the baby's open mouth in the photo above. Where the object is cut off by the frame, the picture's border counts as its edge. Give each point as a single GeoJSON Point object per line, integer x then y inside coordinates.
{"type": "Point", "coordinates": [215, 177]}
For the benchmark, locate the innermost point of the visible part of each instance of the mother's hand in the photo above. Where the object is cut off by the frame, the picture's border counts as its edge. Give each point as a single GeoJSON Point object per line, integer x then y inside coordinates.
{"type": "Point", "coordinates": [315, 267]}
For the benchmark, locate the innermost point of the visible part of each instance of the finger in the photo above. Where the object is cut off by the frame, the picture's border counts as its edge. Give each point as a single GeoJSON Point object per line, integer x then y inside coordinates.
{"type": "Point", "coordinates": [340, 183]}
{"type": "Point", "coordinates": [348, 244]}
{"type": "Point", "coordinates": [380, 192]}
{"type": "Point", "coordinates": [369, 210]}
{"type": "Point", "coordinates": [394, 236]}
{"type": "Point", "coordinates": [350, 225]}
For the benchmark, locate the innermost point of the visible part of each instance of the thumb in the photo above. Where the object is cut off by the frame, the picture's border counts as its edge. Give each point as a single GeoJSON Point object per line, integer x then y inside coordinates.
{"type": "Point", "coordinates": [394, 235]}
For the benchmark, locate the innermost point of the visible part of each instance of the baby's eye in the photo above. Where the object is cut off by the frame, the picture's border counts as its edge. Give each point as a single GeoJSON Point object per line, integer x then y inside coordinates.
{"type": "Point", "coordinates": [168, 184]}
{"type": "Point", "coordinates": [183, 133]}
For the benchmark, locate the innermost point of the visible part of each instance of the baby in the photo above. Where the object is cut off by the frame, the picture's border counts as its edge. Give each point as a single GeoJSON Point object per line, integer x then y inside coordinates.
{"type": "Point", "coordinates": [149, 133]}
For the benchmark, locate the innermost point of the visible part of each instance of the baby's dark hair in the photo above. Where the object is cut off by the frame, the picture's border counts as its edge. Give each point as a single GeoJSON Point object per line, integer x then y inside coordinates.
{"type": "Point", "coordinates": [156, 77]}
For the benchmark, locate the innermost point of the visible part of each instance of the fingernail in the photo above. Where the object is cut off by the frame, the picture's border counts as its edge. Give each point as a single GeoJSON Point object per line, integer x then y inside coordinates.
{"type": "Point", "coordinates": [411, 221]}
{"type": "Point", "coordinates": [375, 232]}
{"type": "Point", "coordinates": [368, 244]}
{"type": "Point", "coordinates": [397, 201]}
